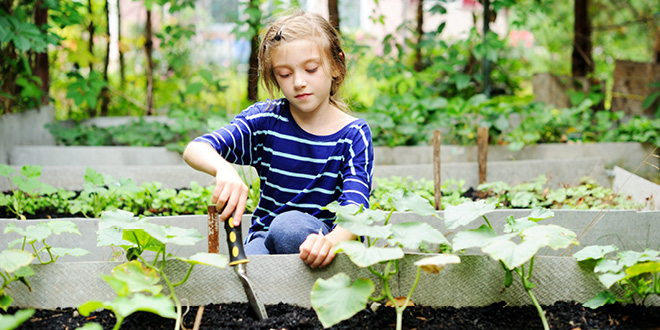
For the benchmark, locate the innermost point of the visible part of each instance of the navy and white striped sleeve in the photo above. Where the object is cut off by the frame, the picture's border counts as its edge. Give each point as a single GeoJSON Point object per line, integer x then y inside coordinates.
{"type": "Point", "coordinates": [358, 168]}
{"type": "Point", "coordinates": [234, 142]}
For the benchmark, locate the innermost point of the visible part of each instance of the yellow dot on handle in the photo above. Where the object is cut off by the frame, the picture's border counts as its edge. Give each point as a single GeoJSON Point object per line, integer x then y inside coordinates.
{"type": "Point", "coordinates": [232, 237]}
{"type": "Point", "coordinates": [234, 251]}
{"type": "Point", "coordinates": [231, 223]}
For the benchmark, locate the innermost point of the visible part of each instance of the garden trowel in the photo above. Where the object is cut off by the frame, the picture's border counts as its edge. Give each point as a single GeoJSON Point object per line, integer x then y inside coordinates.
{"type": "Point", "coordinates": [237, 257]}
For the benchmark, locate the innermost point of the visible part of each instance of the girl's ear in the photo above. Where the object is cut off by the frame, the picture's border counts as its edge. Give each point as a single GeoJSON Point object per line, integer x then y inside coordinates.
{"type": "Point", "coordinates": [335, 74]}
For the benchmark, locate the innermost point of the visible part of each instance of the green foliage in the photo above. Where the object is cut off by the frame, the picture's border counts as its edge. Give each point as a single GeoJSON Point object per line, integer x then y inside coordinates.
{"type": "Point", "coordinates": [516, 248]}
{"type": "Point", "coordinates": [14, 263]}
{"type": "Point", "coordinates": [24, 185]}
{"type": "Point", "coordinates": [382, 261]}
{"type": "Point", "coordinates": [10, 322]}
{"type": "Point", "coordinates": [136, 281]}
{"type": "Point", "coordinates": [637, 274]}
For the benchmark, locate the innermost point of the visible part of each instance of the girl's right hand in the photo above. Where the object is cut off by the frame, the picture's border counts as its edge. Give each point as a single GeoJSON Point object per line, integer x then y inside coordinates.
{"type": "Point", "coordinates": [230, 196]}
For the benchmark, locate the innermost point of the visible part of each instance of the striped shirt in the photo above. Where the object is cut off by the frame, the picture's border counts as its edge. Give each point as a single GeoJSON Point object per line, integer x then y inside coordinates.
{"type": "Point", "coordinates": [297, 170]}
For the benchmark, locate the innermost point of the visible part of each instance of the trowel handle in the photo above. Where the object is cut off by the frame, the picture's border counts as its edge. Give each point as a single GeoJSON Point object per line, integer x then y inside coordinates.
{"type": "Point", "coordinates": [234, 243]}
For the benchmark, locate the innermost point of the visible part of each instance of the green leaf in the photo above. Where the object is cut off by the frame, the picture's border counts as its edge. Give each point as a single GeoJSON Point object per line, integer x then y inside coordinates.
{"type": "Point", "coordinates": [89, 307]}
{"type": "Point", "coordinates": [603, 298]}
{"type": "Point", "coordinates": [652, 267]}
{"type": "Point", "coordinates": [435, 264]}
{"type": "Point", "coordinates": [608, 279]}
{"type": "Point", "coordinates": [408, 201]}
{"type": "Point", "coordinates": [517, 225]}
{"type": "Point", "coordinates": [31, 172]}
{"type": "Point", "coordinates": [363, 256]}
{"type": "Point", "coordinates": [208, 259]}
{"type": "Point", "coordinates": [337, 299]}
{"type": "Point", "coordinates": [159, 305]}
{"type": "Point", "coordinates": [6, 170]}
{"type": "Point", "coordinates": [111, 225]}
{"type": "Point", "coordinates": [473, 238]}
{"type": "Point", "coordinates": [511, 254]}
{"type": "Point", "coordinates": [608, 266]}
{"type": "Point", "coordinates": [539, 214]}
{"type": "Point", "coordinates": [138, 277]}
{"type": "Point", "coordinates": [463, 214]}
{"type": "Point", "coordinates": [552, 236]}
{"type": "Point", "coordinates": [649, 100]}
{"type": "Point", "coordinates": [5, 302]}
{"type": "Point", "coordinates": [13, 260]}
{"type": "Point", "coordinates": [63, 226]}
{"type": "Point", "coordinates": [8, 322]}
{"type": "Point", "coordinates": [630, 258]}
{"type": "Point", "coordinates": [411, 235]}
{"type": "Point", "coordinates": [91, 326]}
{"type": "Point", "coordinates": [594, 252]}
{"type": "Point", "coordinates": [76, 252]}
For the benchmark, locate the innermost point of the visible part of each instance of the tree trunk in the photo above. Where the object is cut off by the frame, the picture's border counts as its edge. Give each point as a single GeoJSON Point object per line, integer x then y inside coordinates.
{"type": "Point", "coordinates": [90, 29]}
{"type": "Point", "coordinates": [333, 13]}
{"type": "Point", "coordinates": [419, 66]}
{"type": "Point", "coordinates": [105, 92]}
{"type": "Point", "coordinates": [90, 47]}
{"type": "Point", "coordinates": [253, 71]}
{"type": "Point", "coordinates": [122, 72]}
{"type": "Point", "coordinates": [582, 63]}
{"type": "Point", "coordinates": [657, 47]}
{"type": "Point", "coordinates": [148, 46]}
{"type": "Point", "coordinates": [41, 68]}
{"type": "Point", "coordinates": [8, 83]}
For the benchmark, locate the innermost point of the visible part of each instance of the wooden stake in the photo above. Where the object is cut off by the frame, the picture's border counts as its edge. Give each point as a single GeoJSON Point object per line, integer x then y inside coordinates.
{"type": "Point", "coordinates": [198, 318]}
{"type": "Point", "coordinates": [437, 141]}
{"type": "Point", "coordinates": [482, 149]}
{"type": "Point", "coordinates": [214, 238]}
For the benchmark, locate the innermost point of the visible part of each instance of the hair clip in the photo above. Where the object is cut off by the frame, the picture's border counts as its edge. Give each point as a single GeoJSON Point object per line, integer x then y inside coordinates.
{"type": "Point", "coordinates": [278, 35]}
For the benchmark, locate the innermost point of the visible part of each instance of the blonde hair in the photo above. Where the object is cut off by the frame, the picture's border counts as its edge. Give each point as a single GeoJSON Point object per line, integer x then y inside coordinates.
{"type": "Point", "coordinates": [307, 26]}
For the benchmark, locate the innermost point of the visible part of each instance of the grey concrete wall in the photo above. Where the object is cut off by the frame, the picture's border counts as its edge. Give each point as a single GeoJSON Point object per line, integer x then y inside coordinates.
{"type": "Point", "coordinates": [624, 154]}
{"type": "Point", "coordinates": [25, 128]}
{"type": "Point", "coordinates": [639, 189]}
{"type": "Point", "coordinates": [626, 229]}
{"type": "Point", "coordinates": [559, 172]}
{"type": "Point", "coordinates": [94, 156]}
{"type": "Point", "coordinates": [476, 281]}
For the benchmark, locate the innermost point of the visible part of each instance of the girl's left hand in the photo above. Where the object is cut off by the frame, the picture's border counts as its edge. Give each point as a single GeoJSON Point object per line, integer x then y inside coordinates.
{"type": "Point", "coordinates": [316, 250]}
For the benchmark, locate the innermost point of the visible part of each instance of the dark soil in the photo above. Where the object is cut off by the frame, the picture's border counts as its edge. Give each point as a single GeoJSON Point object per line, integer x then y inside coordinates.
{"type": "Point", "coordinates": [562, 315]}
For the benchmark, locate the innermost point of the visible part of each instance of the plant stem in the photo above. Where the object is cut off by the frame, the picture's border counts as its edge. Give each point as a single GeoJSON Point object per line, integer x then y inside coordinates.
{"type": "Point", "coordinates": [120, 319]}
{"type": "Point", "coordinates": [531, 295]}
{"type": "Point", "coordinates": [487, 222]}
{"type": "Point", "coordinates": [185, 278]}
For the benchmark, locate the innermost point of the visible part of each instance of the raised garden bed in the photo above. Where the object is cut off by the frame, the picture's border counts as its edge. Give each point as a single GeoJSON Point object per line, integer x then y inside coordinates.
{"type": "Point", "coordinates": [467, 296]}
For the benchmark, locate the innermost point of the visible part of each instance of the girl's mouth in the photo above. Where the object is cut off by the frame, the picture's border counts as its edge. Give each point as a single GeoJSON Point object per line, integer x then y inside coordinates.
{"type": "Point", "coordinates": [303, 96]}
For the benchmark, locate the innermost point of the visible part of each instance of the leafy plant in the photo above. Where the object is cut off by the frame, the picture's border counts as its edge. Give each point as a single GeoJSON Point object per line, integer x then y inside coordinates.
{"type": "Point", "coordinates": [514, 257]}
{"type": "Point", "coordinates": [15, 262]}
{"type": "Point", "coordinates": [101, 192]}
{"type": "Point", "coordinates": [336, 298]}
{"type": "Point", "coordinates": [23, 185]}
{"type": "Point", "coordinates": [637, 274]}
{"type": "Point", "coordinates": [136, 236]}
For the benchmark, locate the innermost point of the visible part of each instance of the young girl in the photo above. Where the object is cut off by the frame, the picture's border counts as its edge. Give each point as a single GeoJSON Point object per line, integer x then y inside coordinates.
{"type": "Point", "coordinates": [307, 149]}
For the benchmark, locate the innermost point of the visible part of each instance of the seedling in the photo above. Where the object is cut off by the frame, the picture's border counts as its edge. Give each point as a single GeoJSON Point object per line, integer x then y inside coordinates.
{"type": "Point", "coordinates": [636, 273]}
{"type": "Point", "coordinates": [336, 298]}
{"type": "Point", "coordinates": [513, 257]}
{"type": "Point", "coordinates": [138, 236]}
{"type": "Point", "coordinates": [23, 185]}
{"type": "Point", "coordinates": [15, 262]}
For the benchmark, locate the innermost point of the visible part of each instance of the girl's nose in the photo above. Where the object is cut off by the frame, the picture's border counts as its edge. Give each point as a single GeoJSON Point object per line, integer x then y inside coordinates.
{"type": "Point", "coordinates": [300, 81]}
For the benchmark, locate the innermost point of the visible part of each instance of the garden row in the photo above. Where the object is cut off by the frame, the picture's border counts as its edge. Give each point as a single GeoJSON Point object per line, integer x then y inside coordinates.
{"type": "Point", "coordinates": [536, 238]}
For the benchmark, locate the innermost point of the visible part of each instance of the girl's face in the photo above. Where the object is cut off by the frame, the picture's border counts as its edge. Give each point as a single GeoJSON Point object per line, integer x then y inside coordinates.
{"type": "Point", "coordinates": [301, 75]}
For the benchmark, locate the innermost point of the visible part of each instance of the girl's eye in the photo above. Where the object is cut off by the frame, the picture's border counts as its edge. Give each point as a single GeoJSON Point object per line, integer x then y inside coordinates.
{"type": "Point", "coordinates": [312, 70]}
{"type": "Point", "coordinates": [284, 75]}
